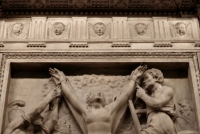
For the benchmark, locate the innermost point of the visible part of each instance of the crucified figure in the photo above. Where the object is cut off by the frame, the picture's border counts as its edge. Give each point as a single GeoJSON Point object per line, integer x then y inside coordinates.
{"type": "Point", "coordinates": [98, 117]}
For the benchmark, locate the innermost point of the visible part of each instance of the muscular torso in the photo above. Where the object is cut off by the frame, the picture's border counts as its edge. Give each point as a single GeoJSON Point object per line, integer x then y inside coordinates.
{"type": "Point", "coordinates": [168, 108]}
{"type": "Point", "coordinates": [98, 121]}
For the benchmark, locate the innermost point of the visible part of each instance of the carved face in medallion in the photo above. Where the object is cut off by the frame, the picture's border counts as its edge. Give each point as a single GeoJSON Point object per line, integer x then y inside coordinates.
{"type": "Point", "coordinates": [58, 28]}
{"type": "Point", "coordinates": [181, 28]}
{"type": "Point", "coordinates": [141, 28]}
{"type": "Point", "coordinates": [17, 28]}
{"type": "Point", "coordinates": [99, 28]}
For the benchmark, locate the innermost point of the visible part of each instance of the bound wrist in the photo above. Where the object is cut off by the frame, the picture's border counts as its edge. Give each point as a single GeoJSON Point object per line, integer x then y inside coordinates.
{"type": "Point", "coordinates": [133, 79]}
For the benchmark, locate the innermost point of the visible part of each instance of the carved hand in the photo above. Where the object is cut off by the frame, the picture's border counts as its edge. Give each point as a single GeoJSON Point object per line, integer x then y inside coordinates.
{"type": "Point", "coordinates": [57, 74]}
{"type": "Point", "coordinates": [140, 91]}
{"type": "Point", "coordinates": [138, 72]}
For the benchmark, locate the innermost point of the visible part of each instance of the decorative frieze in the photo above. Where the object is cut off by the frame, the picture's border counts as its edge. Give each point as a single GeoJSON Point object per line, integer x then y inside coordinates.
{"type": "Point", "coordinates": [101, 29]}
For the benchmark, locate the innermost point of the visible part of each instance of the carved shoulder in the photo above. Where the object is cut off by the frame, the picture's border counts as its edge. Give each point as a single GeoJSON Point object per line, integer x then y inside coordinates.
{"type": "Point", "coordinates": [168, 91]}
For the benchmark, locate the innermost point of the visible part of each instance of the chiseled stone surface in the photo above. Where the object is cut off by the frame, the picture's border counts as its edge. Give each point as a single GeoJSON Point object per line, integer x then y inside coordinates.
{"type": "Point", "coordinates": [97, 56]}
{"type": "Point", "coordinates": [100, 28]}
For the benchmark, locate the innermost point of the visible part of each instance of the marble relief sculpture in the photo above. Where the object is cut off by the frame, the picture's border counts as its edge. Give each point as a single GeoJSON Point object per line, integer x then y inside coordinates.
{"type": "Point", "coordinates": [62, 127]}
{"type": "Point", "coordinates": [159, 102]}
{"type": "Point", "coordinates": [140, 30]}
{"type": "Point", "coordinates": [58, 30]}
{"type": "Point", "coordinates": [99, 31]}
{"type": "Point", "coordinates": [181, 29]}
{"type": "Point", "coordinates": [186, 119]}
{"type": "Point", "coordinates": [98, 117]}
{"type": "Point", "coordinates": [31, 122]}
{"type": "Point", "coordinates": [17, 30]}
{"type": "Point", "coordinates": [100, 109]}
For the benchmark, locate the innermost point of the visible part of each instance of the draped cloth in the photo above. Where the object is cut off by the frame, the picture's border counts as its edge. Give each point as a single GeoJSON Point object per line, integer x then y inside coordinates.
{"type": "Point", "coordinates": [159, 123]}
{"type": "Point", "coordinates": [37, 123]}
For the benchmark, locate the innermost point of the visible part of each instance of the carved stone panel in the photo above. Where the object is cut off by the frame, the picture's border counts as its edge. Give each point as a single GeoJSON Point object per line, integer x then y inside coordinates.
{"type": "Point", "coordinates": [140, 29]}
{"type": "Point", "coordinates": [58, 28]}
{"type": "Point", "coordinates": [181, 29]}
{"type": "Point", "coordinates": [79, 27]}
{"type": "Point", "coordinates": [30, 84]}
{"type": "Point", "coordinates": [17, 29]}
{"type": "Point", "coordinates": [2, 27]}
{"type": "Point", "coordinates": [120, 27]}
{"type": "Point", "coordinates": [38, 27]}
{"type": "Point", "coordinates": [85, 28]}
{"type": "Point", "coordinates": [101, 29]}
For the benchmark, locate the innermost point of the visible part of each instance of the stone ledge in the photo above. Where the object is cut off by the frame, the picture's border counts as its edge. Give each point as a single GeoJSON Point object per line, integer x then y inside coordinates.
{"type": "Point", "coordinates": [78, 45]}
{"type": "Point", "coordinates": [162, 44]}
{"type": "Point", "coordinates": [120, 44]}
{"type": "Point", "coordinates": [1, 45]}
{"type": "Point", "coordinates": [38, 44]}
{"type": "Point", "coordinates": [197, 44]}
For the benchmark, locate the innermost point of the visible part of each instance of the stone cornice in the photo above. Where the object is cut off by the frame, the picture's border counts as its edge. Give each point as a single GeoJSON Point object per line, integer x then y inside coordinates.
{"type": "Point", "coordinates": [96, 7]}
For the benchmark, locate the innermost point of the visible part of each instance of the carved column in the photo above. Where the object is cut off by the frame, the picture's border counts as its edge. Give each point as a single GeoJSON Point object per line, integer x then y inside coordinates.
{"type": "Point", "coordinates": [2, 27]}
{"type": "Point", "coordinates": [198, 59]}
{"type": "Point", "coordinates": [79, 27]}
{"type": "Point", "coordinates": [196, 28]}
{"type": "Point", "coordinates": [120, 28]}
{"type": "Point", "coordinates": [38, 28]}
{"type": "Point", "coordinates": [161, 28]}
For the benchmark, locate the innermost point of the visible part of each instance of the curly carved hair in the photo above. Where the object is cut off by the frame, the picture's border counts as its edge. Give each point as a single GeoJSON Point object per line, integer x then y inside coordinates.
{"type": "Point", "coordinates": [59, 23]}
{"type": "Point", "coordinates": [156, 73]}
{"type": "Point", "coordinates": [99, 23]}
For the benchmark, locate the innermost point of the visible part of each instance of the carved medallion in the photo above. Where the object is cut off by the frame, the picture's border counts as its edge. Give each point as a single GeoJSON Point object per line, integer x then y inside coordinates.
{"type": "Point", "coordinates": [181, 30]}
{"type": "Point", "coordinates": [17, 30]}
{"type": "Point", "coordinates": [99, 31]}
{"type": "Point", "coordinates": [141, 30]}
{"type": "Point", "coordinates": [58, 30]}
